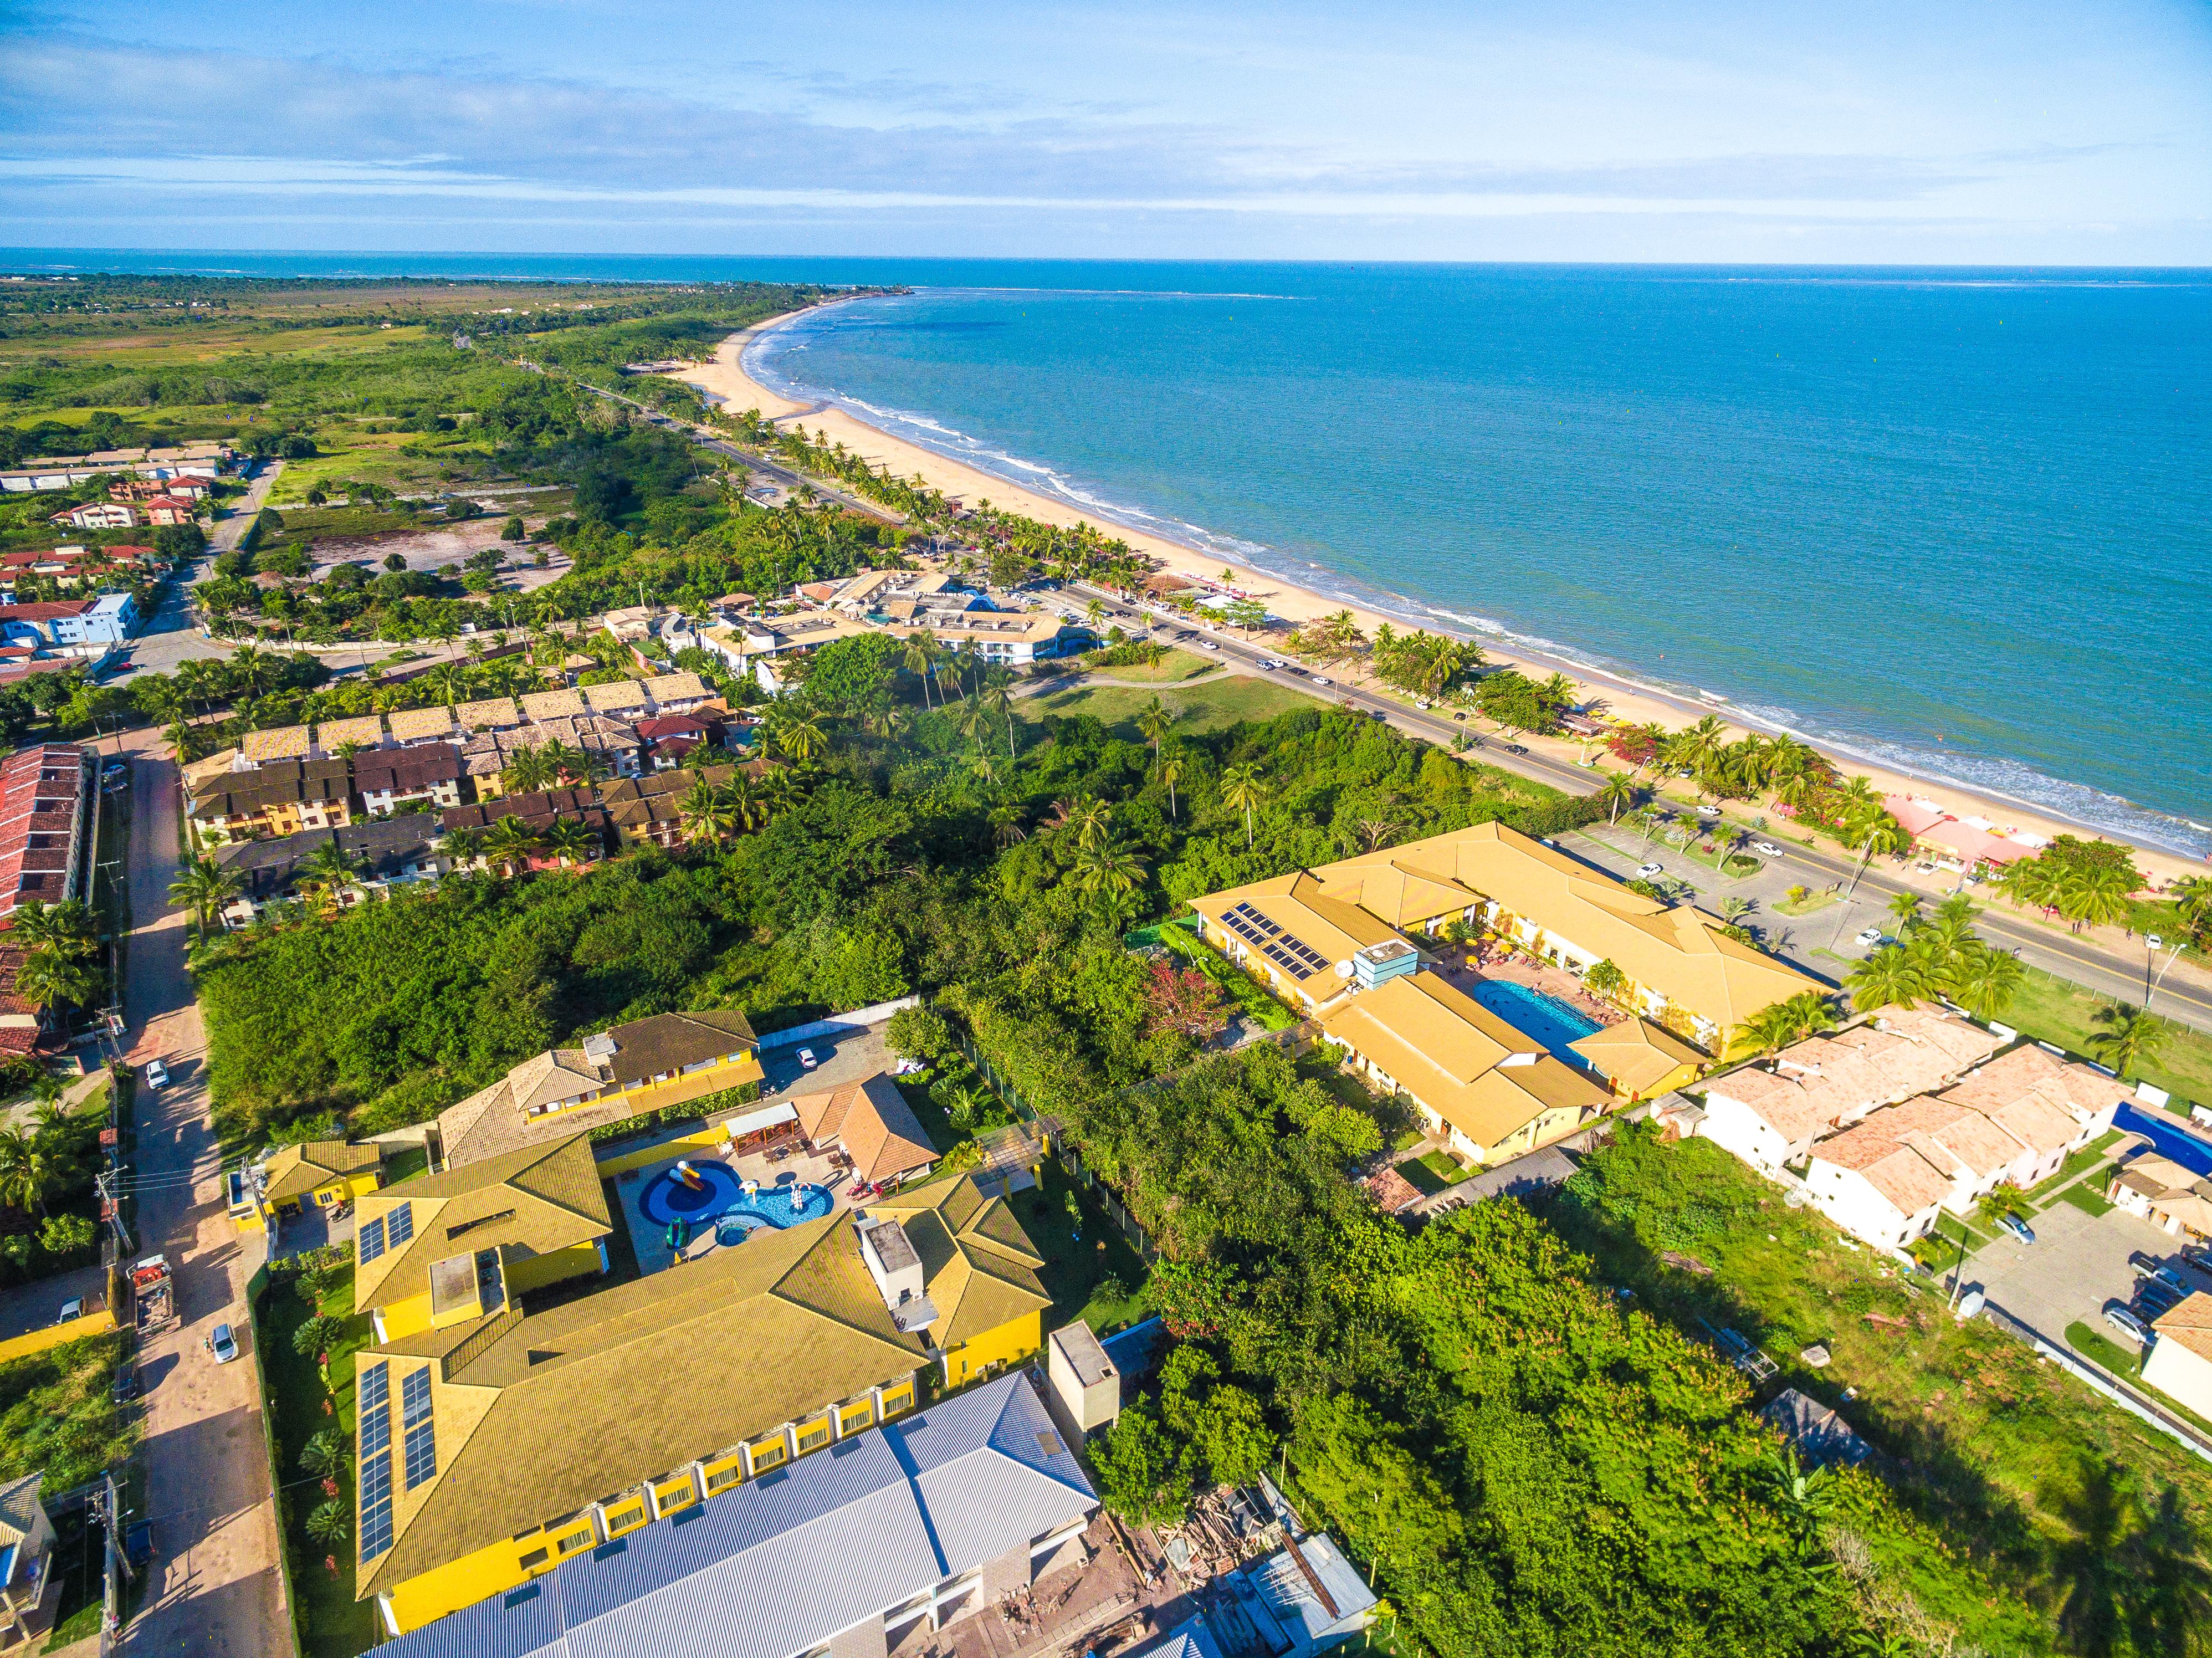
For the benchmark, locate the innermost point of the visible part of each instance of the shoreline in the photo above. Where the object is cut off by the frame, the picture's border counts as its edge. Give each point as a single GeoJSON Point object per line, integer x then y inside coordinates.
{"type": "Point", "coordinates": [726, 381]}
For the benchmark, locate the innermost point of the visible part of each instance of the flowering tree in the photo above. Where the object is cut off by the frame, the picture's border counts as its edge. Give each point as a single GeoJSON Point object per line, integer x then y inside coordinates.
{"type": "Point", "coordinates": [1183, 999]}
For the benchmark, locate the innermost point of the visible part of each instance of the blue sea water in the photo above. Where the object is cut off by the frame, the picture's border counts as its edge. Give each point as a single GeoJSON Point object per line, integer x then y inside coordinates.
{"type": "Point", "coordinates": [1959, 522]}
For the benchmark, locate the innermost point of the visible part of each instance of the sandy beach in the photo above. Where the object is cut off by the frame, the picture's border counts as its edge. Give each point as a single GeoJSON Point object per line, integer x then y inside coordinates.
{"type": "Point", "coordinates": [725, 381]}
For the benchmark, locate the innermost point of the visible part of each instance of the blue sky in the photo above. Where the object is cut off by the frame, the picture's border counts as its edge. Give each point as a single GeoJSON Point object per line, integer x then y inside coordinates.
{"type": "Point", "coordinates": [1957, 131]}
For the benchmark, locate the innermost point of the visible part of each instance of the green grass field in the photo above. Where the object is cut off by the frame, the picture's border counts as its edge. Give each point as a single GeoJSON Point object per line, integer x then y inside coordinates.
{"type": "Point", "coordinates": [1206, 708]}
{"type": "Point", "coordinates": [2052, 1011]}
{"type": "Point", "coordinates": [1175, 665]}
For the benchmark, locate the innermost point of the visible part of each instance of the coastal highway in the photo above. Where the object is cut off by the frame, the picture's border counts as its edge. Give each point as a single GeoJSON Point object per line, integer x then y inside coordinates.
{"type": "Point", "coordinates": [2065, 956]}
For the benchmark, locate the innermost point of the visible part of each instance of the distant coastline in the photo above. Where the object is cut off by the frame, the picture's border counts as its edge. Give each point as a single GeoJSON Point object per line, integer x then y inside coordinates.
{"type": "Point", "coordinates": [744, 375]}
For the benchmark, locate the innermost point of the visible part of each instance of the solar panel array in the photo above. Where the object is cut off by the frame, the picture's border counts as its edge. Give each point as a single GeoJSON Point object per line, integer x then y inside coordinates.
{"type": "Point", "coordinates": [421, 1445]}
{"type": "Point", "coordinates": [374, 1405]}
{"type": "Point", "coordinates": [1287, 949]}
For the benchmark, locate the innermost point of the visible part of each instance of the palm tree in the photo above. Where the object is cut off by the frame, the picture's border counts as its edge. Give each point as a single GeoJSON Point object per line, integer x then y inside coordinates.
{"type": "Point", "coordinates": [2192, 906]}
{"type": "Point", "coordinates": [46, 980]}
{"type": "Point", "coordinates": [565, 762]}
{"type": "Point", "coordinates": [797, 731]}
{"type": "Point", "coordinates": [326, 877]}
{"type": "Point", "coordinates": [1733, 910]}
{"type": "Point", "coordinates": [1006, 827]}
{"type": "Point", "coordinates": [1111, 869]}
{"type": "Point", "coordinates": [1983, 981]}
{"type": "Point", "coordinates": [463, 846]}
{"type": "Point", "coordinates": [2128, 1037]}
{"type": "Point", "coordinates": [24, 1170]}
{"type": "Point", "coordinates": [999, 695]}
{"type": "Point", "coordinates": [705, 814]}
{"type": "Point", "coordinates": [2099, 893]}
{"type": "Point", "coordinates": [1242, 790]}
{"type": "Point", "coordinates": [1780, 1023]}
{"type": "Point", "coordinates": [920, 658]}
{"type": "Point", "coordinates": [1890, 977]}
{"type": "Point", "coordinates": [509, 843]}
{"type": "Point", "coordinates": [1617, 794]}
{"type": "Point", "coordinates": [1153, 721]}
{"type": "Point", "coordinates": [748, 805]}
{"type": "Point", "coordinates": [65, 928]}
{"type": "Point", "coordinates": [527, 771]}
{"type": "Point", "coordinates": [568, 840]}
{"type": "Point", "coordinates": [1171, 768]}
{"type": "Point", "coordinates": [1904, 910]}
{"type": "Point", "coordinates": [1872, 830]}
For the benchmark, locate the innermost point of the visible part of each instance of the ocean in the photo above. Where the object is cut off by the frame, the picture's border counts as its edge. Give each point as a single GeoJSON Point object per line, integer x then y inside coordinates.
{"type": "Point", "coordinates": [1959, 522]}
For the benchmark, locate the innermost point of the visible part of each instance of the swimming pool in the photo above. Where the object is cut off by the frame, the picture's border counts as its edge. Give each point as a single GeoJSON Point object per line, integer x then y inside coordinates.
{"type": "Point", "coordinates": [718, 1195]}
{"type": "Point", "coordinates": [1556, 1024]}
{"type": "Point", "coordinates": [2187, 1150]}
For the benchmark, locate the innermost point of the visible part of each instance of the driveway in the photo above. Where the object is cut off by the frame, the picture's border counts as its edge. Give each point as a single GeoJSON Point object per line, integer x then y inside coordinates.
{"type": "Point", "coordinates": [2077, 1262]}
{"type": "Point", "coordinates": [215, 1587]}
{"type": "Point", "coordinates": [853, 1057]}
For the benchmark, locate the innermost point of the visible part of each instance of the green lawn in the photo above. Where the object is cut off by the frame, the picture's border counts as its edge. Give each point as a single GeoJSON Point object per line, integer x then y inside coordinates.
{"type": "Point", "coordinates": [1175, 665]}
{"type": "Point", "coordinates": [332, 1623]}
{"type": "Point", "coordinates": [1097, 1278]}
{"type": "Point", "coordinates": [2053, 1011]}
{"type": "Point", "coordinates": [1208, 707]}
{"type": "Point", "coordinates": [1812, 900]}
{"type": "Point", "coordinates": [1441, 1166]}
{"type": "Point", "coordinates": [405, 1163]}
{"type": "Point", "coordinates": [1998, 1453]}
{"type": "Point", "coordinates": [2086, 1198]}
{"type": "Point", "coordinates": [2077, 1163]}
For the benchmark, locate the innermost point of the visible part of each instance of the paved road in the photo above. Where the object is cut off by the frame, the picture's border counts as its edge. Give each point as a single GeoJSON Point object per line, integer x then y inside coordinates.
{"type": "Point", "coordinates": [171, 635]}
{"type": "Point", "coordinates": [217, 1589]}
{"type": "Point", "coordinates": [2079, 960]}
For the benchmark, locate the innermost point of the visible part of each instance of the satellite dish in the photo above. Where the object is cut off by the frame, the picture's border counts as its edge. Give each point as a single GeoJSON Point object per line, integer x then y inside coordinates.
{"type": "Point", "coordinates": [1344, 967]}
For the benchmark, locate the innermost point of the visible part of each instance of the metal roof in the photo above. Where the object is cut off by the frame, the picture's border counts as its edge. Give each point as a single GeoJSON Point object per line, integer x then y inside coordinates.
{"type": "Point", "coordinates": [782, 1563]}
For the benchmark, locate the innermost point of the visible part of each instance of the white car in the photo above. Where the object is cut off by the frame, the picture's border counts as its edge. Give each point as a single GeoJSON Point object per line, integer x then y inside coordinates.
{"type": "Point", "coordinates": [1322, 679]}
{"type": "Point", "coordinates": [807, 1060]}
{"type": "Point", "coordinates": [223, 1345]}
{"type": "Point", "coordinates": [1208, 645]}
{"type": "Point", "coordinates": [72, 1308]}
{"type": "Point", "coordinates": [1269, 665]}
{"type": "Point", "coordinates": [1709, 813]}
{"type": "Point", "coordinates": [2121, 1319]}
{"type": "Point", "coordinates": [1867, 936]}
{"type": "Point", "coordinates": [1423, 702]}
{"type": "Point", "coordinates": [1645, 871]}
{"type": "Point", "coordinates": [157, 1075]}
{"type": "Point", "coordinates": [1766, 848]}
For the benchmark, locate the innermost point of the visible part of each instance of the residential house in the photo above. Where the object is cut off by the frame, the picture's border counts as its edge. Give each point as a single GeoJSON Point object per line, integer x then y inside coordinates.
{"type": "Point", "coordinates": [385, 853]}
{"type": "Point", "coordinates": [678, 693]}
{"type": "Point", "coordinates": [650, 808]}
{"type": "Point", "coordinates": [280, 798]}
{"type": "Point", "coordinates": [669, 737]}
{"type": "Point", "coordinates": [276, 743]}
{"type": "Point", "coordinates": [871, 1123]}
{"type": "Point", "coordinates": [30, 1593]}
{"type": "Point", "coordinates": [316, 1173]}
{"type": "Point", "coordinates": [1084, 1381]}
{"type": "Point", "coordinates": [97, 515]}
{"type": "Point", "coordinates": [491, 714]}
{"type": "Point", "coordinates": [614, 744]}
{"type": "Point", "coordinates": [2010, 1123]}
{"type": "Point", "coordinates": [1492, 1091]}
{"type": "Point", "coordinates": [2163, 1192]}
{"type": "Point", "coordinates": [2178, 1362]}
{"type": "Point", "coordinates": [910, 1528]}
{"type": "Point", "coordinates": [537, 813]}
{"type": "Point", "coordinates": [167, 509]}
{"type": "Point", "coordinates": [409, 727]}
{"type": "Point", "coordinates": [530, 1438]}
{"type": "Point", "coordinates": [46, 821]}
{"type": "Point", "coordinates": [519, 1222]}
{"type": "Point", "coordinates": [64, 623]}
{"type": "Point", "coordinates": [671, 1059]}
{"type": "Point", "coordinates": [755, 644]}
{"type": "Point", "coordinates": [1005, 638]}
{"type": "Point", "coordinates": [1770, 1113]}
{"type": "Point", "coordinates": [349, 737]}
{"type": "Point", "coordinates": [427, 774]}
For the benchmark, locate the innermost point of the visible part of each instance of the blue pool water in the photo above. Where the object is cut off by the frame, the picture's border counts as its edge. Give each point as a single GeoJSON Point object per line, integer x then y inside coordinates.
{"type": "Point", "coordinates": [2190, 1153]}
{"type": "Point", "coordinates": [721, 1198]}
{"type": "Point", "coordinates": [1549, 1020]}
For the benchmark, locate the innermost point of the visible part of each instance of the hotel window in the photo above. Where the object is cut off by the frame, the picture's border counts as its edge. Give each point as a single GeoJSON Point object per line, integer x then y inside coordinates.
{"type": "Point", "coordinates": [852, 1421]}
{"type": "Point", "coordinates": [627, 1518]}
{"type": "Point", "coordinates": [813, 1437]}
{"type": "Point", "coordinates": [721, 1478]}
{"type": "Point", "coordinates": [767, 1455]}
{"type": "Point", "coordinates": [536, 1558]}
{"type": "Point", "coordinates": [574, 1540]}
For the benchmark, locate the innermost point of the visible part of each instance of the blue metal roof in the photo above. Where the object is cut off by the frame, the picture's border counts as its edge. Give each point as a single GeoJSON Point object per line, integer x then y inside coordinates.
{"type": "Point", "coordinates": [781, 1562]}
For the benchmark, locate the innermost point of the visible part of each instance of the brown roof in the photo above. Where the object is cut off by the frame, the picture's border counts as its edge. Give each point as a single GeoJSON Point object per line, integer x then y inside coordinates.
{"type": "Point", "coordinates": [2188, 1323]}
{"type": "Point", "coordinates": [1824, 1081]}
{"type": "Point", "coordinates": [489, 713]}
{"type": "Point", "coordinates": [673, 1041]}
{"type": "Point", "coordinates": [413, 724]}
{"type": "Point", "coordinates": [872, 1121]}
{"type": "Point", "coordinates": [2077, 1090]}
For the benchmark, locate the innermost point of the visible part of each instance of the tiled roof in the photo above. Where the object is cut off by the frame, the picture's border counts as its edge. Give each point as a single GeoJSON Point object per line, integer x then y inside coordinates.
{"type": "Point", "coordinates": [367, 729]}
{"type": "Point", "coordinates": [1298, 905]}
{"type": "Point", "coordinates": [282, 743]}
{"type": "Point", "coordinates": [491, 713]}
{"type": "Point", "coordinates": [415, 724]}
{"type": "Point", "coordinates": [671, 1041]}
{"type": "Point", "coordinates": [872, 1121]}
{"type": "Point", "coordinates": [1636, 1054]}
{"type": "Point", "coordinates": [296, 1171]}
{"type": "Point", "coordinates": [2188, 1323]}
{"type": "Point", "coordinates": [544, 705]}
{"type": "Point", "coordinates": [624, 696]}
{"type": "Point", "coordinates": [2075, 1089]}
{"type": "Point", "coordinates": [42, 789]}
{"type": "Point", "coordinates": [676, 687]}
{"type": "Point", "coordinates": [783, 1565]}
{"type": "Point", "coordinates": [557, 1409]}
{"type": "Point", "coordinates": [1474, 1069]}
{"type": "Point", "coordinates": [1825, 1081]}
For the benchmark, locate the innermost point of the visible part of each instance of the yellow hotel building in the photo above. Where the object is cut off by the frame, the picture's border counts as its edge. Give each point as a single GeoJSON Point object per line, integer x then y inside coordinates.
{"type": "Point", "coordinates": [492, 1448]}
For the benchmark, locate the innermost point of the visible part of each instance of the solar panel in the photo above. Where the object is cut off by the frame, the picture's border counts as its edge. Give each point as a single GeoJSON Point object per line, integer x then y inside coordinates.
{"type": "Point", "coordinates": [370, 1244]}
{"type": "Point", "coordinates": [374, 1405]}
{"type": "Point", "coordinates": [421, 1443]}
{"type": "Point", "coordinates": [400, 1226]}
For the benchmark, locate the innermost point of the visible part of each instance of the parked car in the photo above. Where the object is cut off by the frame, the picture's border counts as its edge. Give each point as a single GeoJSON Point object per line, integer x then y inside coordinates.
{"type": "Point", "coordinates": [2154, 1299]}
{"type": "Point", "coordinates": [2125, 1322]}
{"type": "Point", "coordinates": [223, 1345]}
{"type": "Point", "coordinates": [2150, 1267]}
{"type": "Point", "coordinates": [1298, 673]}
{"type": "Point", "coordinates": [2018, 1228]}
{"type": "Point", "coordinates": [1766, 848]}
{"type": "Point", "coordinates": [807, 1059]}
{"type": "Point", "coordinates": [1868, 936]}
{"type": "Point", "coordinates": [73, 1308]}
{"type": "Point", "coordinates": [157, 1075]}
{"type": "Point", "coordinates": [1645, 871]}
{"type": "Point", "coordinates": [1516, 748]}
{"type": "Point", "coordinates": [1268, 665]}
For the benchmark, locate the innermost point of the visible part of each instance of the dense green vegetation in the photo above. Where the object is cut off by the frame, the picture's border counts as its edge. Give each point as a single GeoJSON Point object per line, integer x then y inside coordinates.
{"type": "Point", "coordinates": [56, 1414]}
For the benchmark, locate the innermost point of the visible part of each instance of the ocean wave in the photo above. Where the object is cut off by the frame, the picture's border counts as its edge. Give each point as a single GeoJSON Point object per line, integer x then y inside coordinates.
{"type": "Point", "coordinates": [1992, 776]}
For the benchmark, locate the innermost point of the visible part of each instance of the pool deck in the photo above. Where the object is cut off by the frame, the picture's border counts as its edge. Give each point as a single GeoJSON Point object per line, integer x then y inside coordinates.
{"type": "Point", "coordinates": [1520, 970]}
{"type": "Point", "coordinates": [648, 1239]}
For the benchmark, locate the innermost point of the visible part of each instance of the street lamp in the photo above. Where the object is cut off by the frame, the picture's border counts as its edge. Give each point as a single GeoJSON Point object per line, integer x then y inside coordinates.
{"type": "Point", "coordinates": [2150, 985]}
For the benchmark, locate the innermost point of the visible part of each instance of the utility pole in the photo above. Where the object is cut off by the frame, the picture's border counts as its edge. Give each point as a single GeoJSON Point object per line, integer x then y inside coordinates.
{"type": "Point", "coordinates": [1959, 1267]}
{"type": "Point", "coordinates": [114, 1204]}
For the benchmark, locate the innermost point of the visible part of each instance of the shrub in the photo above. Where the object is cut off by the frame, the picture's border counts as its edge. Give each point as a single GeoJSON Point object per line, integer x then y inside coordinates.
{"type": "Point", "coordinates": [919, 1033]}
{"type": "Point", "coordinates": [316, 1335]}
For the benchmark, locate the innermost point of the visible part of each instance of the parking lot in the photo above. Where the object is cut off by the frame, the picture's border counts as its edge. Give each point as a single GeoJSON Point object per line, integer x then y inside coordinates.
{"type": "Point", "coordinates": [2077, 1263]}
